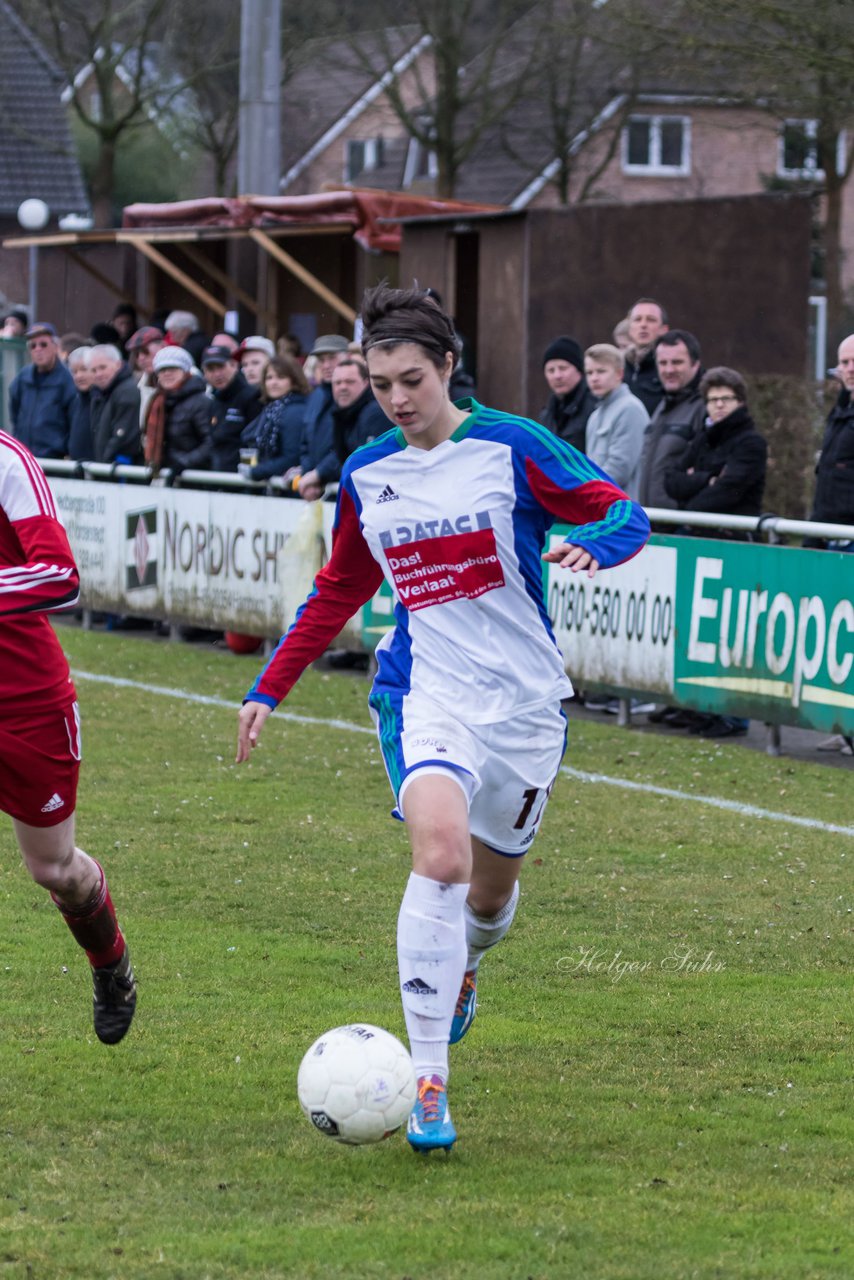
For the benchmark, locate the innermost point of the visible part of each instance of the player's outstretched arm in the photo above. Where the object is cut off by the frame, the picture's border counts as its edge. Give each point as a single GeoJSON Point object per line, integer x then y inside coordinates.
{"type": "Point", "coordinates": [250, 722]}
{"type": "Point", "coordinates": [571, 557]}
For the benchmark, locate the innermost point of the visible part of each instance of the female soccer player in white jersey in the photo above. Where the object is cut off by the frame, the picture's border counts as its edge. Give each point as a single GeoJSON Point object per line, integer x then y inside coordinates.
{"type": "Point", "coordinates": [40, 730]}
{"type": "Point", "coordinates": [452, 507]}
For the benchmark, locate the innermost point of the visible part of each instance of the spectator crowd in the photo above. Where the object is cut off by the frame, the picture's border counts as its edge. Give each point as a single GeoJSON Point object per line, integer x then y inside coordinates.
{"type": "Point", "coordinates": [674, 434]}
{"type": "Point", "coordinates": [173, 398]}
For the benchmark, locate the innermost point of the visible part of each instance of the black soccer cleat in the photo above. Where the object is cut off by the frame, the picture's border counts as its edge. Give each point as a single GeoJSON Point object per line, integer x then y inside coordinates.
{"type": "Point", "coordinates": [114, 1000]}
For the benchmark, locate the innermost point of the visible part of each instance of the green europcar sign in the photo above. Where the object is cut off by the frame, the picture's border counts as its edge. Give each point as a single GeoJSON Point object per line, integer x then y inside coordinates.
{"type": "Point", "coordinates": [729, 627]}
{"type": "Point", "coordinates": [766, 632]}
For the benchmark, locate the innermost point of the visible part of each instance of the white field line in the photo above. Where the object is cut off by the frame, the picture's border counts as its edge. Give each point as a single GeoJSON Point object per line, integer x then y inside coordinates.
{"type": "Point", "coordinates": [600, 779]}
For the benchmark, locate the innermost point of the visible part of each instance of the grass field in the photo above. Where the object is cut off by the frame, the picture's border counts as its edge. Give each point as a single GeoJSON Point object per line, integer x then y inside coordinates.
{"type": "Point", "coordinates": [658, 1086]}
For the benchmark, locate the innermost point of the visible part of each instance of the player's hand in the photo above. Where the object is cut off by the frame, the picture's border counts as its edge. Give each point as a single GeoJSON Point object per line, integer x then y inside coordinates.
{"type": "Point", "coordinates": [566, 556]}
{"type": "Point", "coordinates": [250, 722]}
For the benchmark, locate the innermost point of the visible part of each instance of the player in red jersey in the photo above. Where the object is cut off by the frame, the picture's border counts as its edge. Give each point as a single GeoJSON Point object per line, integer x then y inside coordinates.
{"type": "Point", "coordinates": [40, 744]}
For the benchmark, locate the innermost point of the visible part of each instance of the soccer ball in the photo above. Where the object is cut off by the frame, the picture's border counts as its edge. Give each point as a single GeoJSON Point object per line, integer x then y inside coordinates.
{"type": "Point", "coordinates": [357, 1084]}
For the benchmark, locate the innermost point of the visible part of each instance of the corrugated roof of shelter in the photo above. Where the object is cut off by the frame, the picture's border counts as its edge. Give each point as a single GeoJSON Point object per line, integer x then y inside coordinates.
{"type": "Point", "coordinates": [331, 79]}
{"type": "Point", "coordinates": [37, 155]}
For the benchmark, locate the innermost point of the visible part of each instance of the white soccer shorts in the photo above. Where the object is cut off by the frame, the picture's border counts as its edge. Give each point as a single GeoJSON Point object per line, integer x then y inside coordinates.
{"type": "Point", "coordinates": [506, 770]}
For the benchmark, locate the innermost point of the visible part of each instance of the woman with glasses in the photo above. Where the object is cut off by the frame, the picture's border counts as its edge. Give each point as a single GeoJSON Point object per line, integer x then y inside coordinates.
{"type": "Point", "coordinates": [723, 468]}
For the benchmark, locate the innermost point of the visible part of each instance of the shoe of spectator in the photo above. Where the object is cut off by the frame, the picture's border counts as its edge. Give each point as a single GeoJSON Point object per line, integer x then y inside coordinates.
{"type": "Point", "coordinates": [639, 708]}
{"type": "Point", "coordinates": [723, 727]}
{"type": "Point", "coordinates": [685, 719]}
{"type": "Point", "coordinates": [834, 743]}
{"type": "Point", "coordinates": [662, 715]}
{"type": "Point", "coordinates": [598, 703]}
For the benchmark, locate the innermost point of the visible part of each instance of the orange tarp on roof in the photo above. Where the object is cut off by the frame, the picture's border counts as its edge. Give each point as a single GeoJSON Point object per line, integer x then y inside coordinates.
{"type": "Point", "coordinates": [367, 212]}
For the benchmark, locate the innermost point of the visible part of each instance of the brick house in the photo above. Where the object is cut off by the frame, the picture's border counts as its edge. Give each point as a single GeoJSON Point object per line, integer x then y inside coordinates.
{"type": "Point", "coordinates": [671, 143]}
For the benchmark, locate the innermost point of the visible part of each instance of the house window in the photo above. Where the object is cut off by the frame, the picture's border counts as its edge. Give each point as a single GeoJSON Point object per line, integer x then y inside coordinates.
{"type": "Point", "coordinates": [421, 164]}
{"type": "Point", "coordinates": [657, 145]}
{"type": "Point", "coordinates": [797, 150]}
{"type": "Point", "coordinates": [362, 157]}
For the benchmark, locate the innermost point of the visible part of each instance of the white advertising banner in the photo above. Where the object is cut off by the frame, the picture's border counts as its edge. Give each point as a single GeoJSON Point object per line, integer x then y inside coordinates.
{"type": "Point", "coordinates": [617, 629]}
{"type": "Point", "coordinates": [239, 561]}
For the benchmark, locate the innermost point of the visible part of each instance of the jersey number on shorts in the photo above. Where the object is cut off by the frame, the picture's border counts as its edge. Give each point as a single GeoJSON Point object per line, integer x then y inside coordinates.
{"type": "Point", "coordinates": [530, 797]}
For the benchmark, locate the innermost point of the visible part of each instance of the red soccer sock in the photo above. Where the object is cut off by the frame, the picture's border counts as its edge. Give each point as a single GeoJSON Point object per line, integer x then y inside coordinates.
{"type": "Point", "coordinates": [95, 927]}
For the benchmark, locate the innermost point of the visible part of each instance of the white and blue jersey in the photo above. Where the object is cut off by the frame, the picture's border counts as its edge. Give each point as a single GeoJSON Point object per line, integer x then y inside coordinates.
{"type": "Point", "coordinates": [458, 531]}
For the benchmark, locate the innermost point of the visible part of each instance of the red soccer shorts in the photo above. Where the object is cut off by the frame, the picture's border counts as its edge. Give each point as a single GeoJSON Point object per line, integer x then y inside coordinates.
{"type": "Point", "coordinates": [39, 763]}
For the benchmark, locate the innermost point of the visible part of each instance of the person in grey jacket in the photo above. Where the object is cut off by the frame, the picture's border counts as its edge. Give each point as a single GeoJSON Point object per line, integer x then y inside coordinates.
{"type": "Point", "coordinates": [676, 419]}
{"type": "Point", "coordinates": [615, 428]}
{"type": "Point", "coordinates": [114, 411]}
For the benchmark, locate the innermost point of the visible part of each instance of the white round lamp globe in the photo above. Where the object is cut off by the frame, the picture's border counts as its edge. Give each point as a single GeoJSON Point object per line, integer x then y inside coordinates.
{"type": "Point", "coordinates": [33, 214]}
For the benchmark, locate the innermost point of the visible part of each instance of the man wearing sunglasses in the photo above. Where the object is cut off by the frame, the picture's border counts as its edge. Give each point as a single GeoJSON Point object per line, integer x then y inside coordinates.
{"type": "Point", "coordinates": [41, 397]}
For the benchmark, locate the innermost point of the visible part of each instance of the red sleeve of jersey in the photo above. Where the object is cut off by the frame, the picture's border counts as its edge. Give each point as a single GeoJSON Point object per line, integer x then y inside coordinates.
{"type": "Point", "coordinates": [344, 584]}
{"type": "Point", "coordinates": [46, 577]}
{"type": "Point", "coordinates": [607, 523]}
{"type": "Point", "coordinates": [587, 502]}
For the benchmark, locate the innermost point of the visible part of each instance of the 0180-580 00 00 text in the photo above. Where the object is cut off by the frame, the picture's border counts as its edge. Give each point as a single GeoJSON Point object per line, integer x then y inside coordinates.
{"type": "Point", "coordinates": [603, 612]}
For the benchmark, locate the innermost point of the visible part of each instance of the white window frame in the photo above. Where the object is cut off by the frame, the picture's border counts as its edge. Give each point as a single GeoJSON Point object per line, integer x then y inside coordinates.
{"type": "Point", "coordinates": [810, 169]}
{"type": "Point", "coordinates": [655, 168]}
{"type": "Point", "coordinates": [414, 155]}
{"type": "Point", "coordinates": [372, 153]}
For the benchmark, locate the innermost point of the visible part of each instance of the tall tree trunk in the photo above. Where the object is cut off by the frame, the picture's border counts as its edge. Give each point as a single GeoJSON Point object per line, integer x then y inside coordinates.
{"type": "Point", "coordinates": [103, 183]}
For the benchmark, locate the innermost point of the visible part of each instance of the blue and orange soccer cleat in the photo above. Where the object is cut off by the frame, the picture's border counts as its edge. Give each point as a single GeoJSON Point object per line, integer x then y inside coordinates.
{"type": "Point", "coordinates": [466, 1007]}
{"type": "Point", "coordinates": [430, 1127]}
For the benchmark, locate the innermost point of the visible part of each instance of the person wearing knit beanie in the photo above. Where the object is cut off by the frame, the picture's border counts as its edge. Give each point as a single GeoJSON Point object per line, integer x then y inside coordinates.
{"type": "Point", "coordinates": [570, 403]}
{"type": "Point", "coordinates": [567, 350]}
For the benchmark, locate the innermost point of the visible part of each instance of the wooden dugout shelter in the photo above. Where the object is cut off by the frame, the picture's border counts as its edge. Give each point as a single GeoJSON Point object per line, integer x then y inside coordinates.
{"type": "Point", "coordinates": [284, 264]}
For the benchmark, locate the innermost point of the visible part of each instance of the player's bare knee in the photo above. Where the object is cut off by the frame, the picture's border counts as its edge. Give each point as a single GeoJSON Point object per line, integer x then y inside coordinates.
{"type": "Point", "coordinates": [441, 855]}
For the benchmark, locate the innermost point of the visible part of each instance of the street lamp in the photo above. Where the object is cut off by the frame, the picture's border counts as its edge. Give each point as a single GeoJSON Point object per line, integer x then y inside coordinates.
{"type": "Point", "coordinates": [33, 215]}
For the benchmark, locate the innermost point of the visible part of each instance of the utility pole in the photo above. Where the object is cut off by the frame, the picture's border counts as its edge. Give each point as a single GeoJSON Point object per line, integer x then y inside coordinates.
{"type": "Point", "coordinates": [259, 146]}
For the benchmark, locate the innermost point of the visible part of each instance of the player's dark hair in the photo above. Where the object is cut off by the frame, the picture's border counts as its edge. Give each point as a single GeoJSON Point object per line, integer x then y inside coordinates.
{"type": "Point", "coordinates": [392, 316]}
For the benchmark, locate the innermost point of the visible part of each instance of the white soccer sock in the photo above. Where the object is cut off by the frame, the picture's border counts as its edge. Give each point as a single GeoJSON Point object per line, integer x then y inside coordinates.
{"type": "Point", "coordinates": [483, 932]}
{"type": "Point", "coordinates": [431, 956]}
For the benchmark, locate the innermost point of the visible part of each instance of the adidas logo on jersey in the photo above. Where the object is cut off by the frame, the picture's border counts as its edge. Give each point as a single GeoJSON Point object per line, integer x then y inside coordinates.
{"type": "Point", "coordinates": [55, 802]}
{"type": "Point", "coordinates": [388, 495]}
{"type": "Point", "coordinates": [418, 987]}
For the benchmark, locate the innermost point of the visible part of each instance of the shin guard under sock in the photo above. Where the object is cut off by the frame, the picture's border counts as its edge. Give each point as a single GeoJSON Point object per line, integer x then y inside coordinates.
{"type": "Point", "coordinates": [431, 951]}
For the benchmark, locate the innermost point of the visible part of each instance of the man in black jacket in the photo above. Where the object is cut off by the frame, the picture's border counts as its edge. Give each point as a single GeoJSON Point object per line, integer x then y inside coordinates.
{"type": "Point", "coordinates": [114, 407]}
{"type": "Point", "coordinates": [678, 417]}
{"type": "Point", "coordinates": [234, 404]}
{"type": "Point", "coordinates": [571, 401]}
{"type": "Point", "coordinates": [834, 487]}
{"type": "Point", "coordinates": [356, 415]}
{"type": "Point", "coordinates": [647, 322]}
